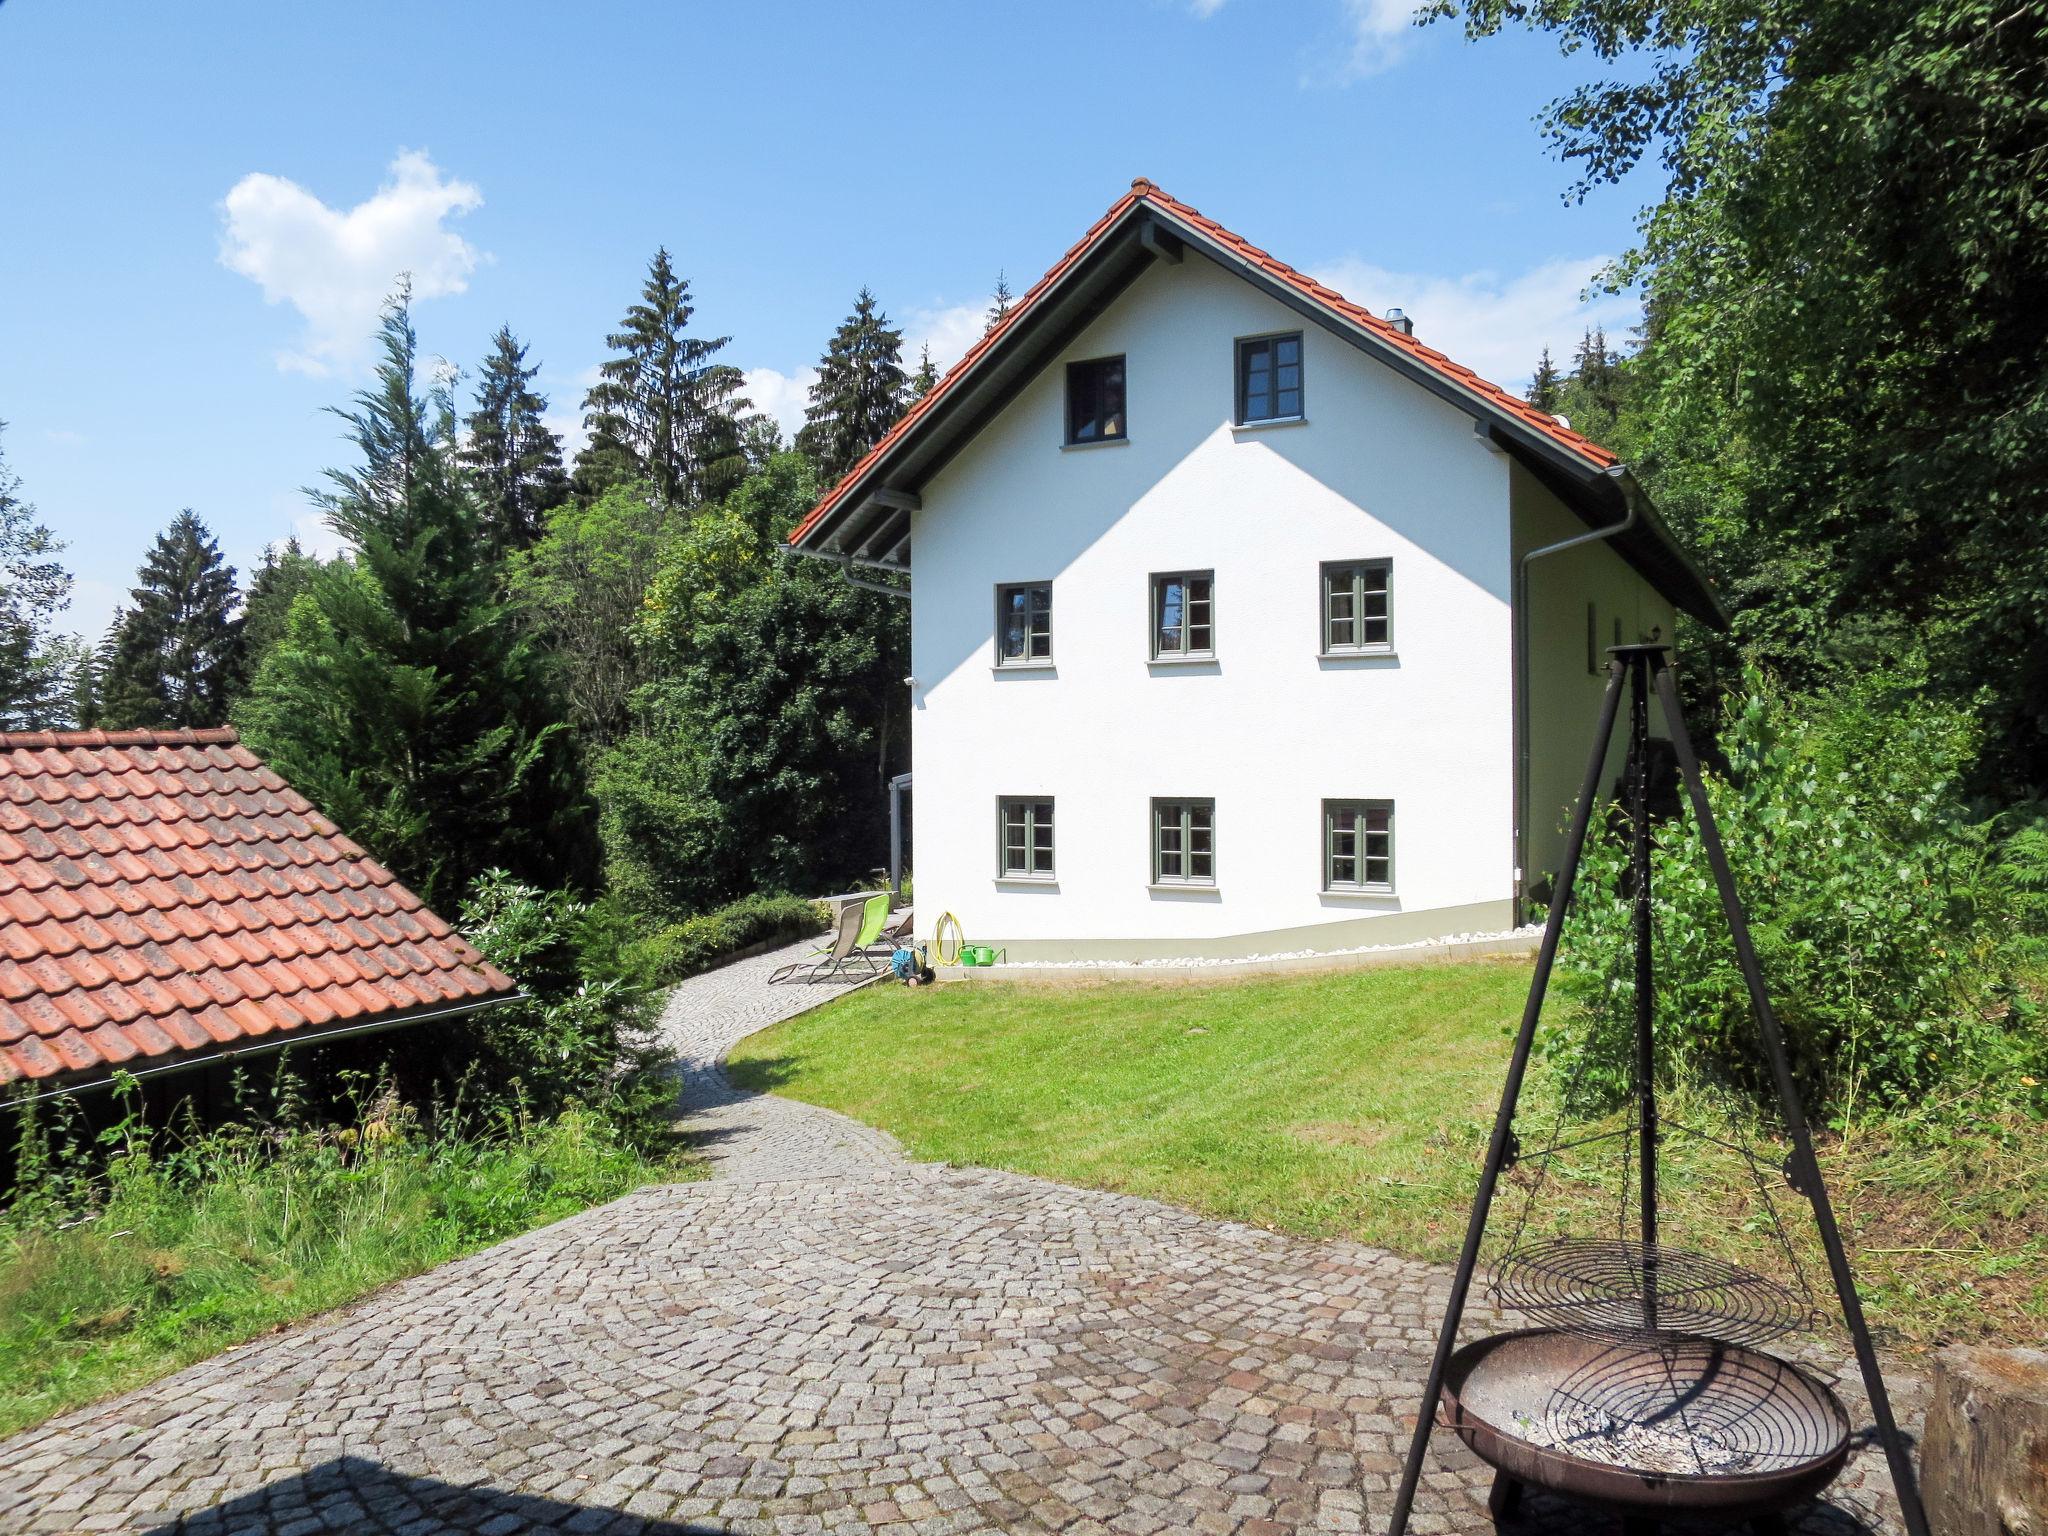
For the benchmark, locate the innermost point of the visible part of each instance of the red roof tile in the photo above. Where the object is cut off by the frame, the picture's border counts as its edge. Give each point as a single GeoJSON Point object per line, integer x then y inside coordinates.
{"type": "Point", "coordinates": [164, 896]}
{"type": "Point", "coordinates": [1145, 192]}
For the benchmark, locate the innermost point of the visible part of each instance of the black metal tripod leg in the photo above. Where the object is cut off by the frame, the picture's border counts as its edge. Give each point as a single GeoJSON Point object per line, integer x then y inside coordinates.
{"type": "Point", "coordinates": [1504, 1121]}
{"type": "Point", "coordinates": [1904, 1481]}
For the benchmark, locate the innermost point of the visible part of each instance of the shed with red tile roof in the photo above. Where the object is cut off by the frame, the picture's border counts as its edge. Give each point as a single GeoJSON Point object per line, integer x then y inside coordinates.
{"type": "Point", "coordinates": [167, 900]}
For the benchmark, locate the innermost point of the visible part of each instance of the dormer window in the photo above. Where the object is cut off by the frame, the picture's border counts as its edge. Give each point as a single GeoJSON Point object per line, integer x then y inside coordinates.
{"type": "Point", "coordinates": [1095, 401]}
{"type": "Point", "coordinates": [1269, 378]}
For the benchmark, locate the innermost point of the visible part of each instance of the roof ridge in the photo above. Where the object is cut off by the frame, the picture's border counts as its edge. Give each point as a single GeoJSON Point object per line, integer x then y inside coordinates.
{"type": "Point", "coordinates": [180, 736]}
{"type": "Point", "coordinates": [1145, 190]}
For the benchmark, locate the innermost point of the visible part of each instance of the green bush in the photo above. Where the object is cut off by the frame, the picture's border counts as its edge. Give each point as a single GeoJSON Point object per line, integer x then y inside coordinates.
{"type": "Point", "coordinates": [583, 1033]}
{"type": "Point", "coordinates": [1894, 929]}
{"type": "Point", "coordinates": [695, 944]}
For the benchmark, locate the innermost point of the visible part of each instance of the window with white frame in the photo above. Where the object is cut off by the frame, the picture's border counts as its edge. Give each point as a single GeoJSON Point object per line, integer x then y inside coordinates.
{"type": "Point", "coordinates": [1024, 834]}
{"type": "Point", "coordinates": [1358, 846]}
{"type": "Point", "coordinates": [1269, 378]}
{"type": "Point", "coordinates": [1183, 615]}
{"type": "Point", "coordinates": [1358, 607]}
{"type": "Point", "coordinates": [1183, 842]}
{"type": "Point", "coordinates": [1024, 624]}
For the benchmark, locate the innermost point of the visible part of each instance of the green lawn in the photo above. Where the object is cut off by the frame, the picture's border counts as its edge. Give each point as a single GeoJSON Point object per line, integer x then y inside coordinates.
{"type": "Point", "coordinates": [1358, 1104]}
{"type": "Point", "coordinates": [1347, 1103]}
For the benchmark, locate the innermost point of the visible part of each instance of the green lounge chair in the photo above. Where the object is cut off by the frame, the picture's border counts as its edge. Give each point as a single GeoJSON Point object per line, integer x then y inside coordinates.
{"type": "Point", "coordinates": [859, 927]}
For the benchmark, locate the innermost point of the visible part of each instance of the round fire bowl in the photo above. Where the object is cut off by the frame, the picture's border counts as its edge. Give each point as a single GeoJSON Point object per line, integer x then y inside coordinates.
{"type": "Point", "coordinates": [1668, 1425]}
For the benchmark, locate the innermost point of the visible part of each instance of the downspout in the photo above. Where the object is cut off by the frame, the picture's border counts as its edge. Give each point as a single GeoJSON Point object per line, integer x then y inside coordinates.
{"type": "Point", "coordinates": [1632, 499]}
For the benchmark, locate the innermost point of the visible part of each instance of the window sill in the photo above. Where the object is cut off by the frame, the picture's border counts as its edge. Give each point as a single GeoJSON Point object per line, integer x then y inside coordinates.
{"type": "Point", "coordinates": [1185, 888]}
{"type": "Point", "coordinates": [1361, 653]}
{"type": "Point", "coordinates": [1358, 892]}
{"type": "Point", "coordinates": [1189, 659]}
{"type": "Point", "coordinates": [1041, 882]}
{"type": "Point", "coordinates": [1023, 666]}
{"type": "Point", "coordinates": [1269, 424]}
{"type": "Point", "coordinates": [1101, 442]}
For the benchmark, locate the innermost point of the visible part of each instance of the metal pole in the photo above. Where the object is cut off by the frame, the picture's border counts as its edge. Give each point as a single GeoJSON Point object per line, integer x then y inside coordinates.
{"type": "Point", "coordinates": [1646, 1059]}
{"type": "Point", "coordinates": [1904, 1481]}
{"type": "Point", "coordinates": [1504, 1121]}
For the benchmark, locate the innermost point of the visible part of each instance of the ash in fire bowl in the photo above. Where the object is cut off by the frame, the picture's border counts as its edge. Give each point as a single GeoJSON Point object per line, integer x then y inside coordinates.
{"type": "Point", "coordinates": [1579, 1429]}
{"type": "Point", "coordinates": [1681, 1422]}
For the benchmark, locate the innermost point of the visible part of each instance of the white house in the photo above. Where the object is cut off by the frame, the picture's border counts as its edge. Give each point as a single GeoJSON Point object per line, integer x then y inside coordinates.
{"type": "Point", "coordinates": [1237, 618]}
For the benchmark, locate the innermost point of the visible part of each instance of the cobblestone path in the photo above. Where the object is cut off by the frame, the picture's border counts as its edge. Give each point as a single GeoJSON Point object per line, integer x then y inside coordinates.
{"type": "Point", "coordinates": [823, 1338]}
{"type": "Point", "coordinates": [757, 1136]}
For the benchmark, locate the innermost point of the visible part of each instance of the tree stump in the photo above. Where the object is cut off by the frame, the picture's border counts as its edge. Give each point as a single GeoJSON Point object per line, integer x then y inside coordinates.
{"type": "Point", "coordinates": [1984, 1462]}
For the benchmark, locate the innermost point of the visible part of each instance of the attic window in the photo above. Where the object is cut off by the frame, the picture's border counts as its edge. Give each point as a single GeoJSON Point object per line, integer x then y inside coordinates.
{"type": "Point", "coordinates": [1269, 378]}
{"type": "Point", "coordinates": [1095, 401]}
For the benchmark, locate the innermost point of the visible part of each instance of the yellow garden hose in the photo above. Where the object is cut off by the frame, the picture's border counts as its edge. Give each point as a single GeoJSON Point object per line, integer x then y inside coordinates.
{"type": "Point", "coordinates": [939, 952]}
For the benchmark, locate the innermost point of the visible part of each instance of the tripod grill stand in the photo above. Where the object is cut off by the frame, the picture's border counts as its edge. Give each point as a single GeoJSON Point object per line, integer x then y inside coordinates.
{"type": "Point", "coordinates": [1640, 668]}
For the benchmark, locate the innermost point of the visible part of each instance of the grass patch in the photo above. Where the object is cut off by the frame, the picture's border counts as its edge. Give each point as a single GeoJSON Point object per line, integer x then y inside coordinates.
{"type": "Point", "coordinates": [191, 1252]}
{"type": "Point", "coordinates": [1358, 1104]}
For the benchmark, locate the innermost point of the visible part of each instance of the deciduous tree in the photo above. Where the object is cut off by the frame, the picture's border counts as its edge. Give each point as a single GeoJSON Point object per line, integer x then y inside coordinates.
{"type": "Point", "coordinates": [35, 665]}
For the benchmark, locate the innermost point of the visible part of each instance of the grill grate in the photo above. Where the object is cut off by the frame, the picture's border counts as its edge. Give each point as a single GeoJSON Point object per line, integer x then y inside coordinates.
{"type": "Point", "coordinates": [1618, 1290]}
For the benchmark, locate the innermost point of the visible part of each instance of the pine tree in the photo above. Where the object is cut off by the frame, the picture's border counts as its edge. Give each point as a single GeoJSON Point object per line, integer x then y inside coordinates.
{"type": "Point", "coordinates": [1543, 387]}
{"type": "Point", "coordinates": [176, 655]}
{"type": "Point", "coordinates": [926, 379]}
{"type": "Point", "coordinates": [516, 460]}
{"type": "Point", "coordinates": [859, 393]}
{"type": "Point", "coordinates": [1597, 372]}
{"type": "Point", "coordinates": [402, 698]}
{"type": "Point", "coordinates": [663, 411]}
{"type": "Point", "coordinates": [35, 664]}
{"type": "Point", "coordinates": [999, 303]}
{"type": "Point", "coordinates": [287, 570]}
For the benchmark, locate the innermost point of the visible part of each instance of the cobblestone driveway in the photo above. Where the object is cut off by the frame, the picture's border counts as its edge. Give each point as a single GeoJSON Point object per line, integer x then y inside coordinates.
{"type": "Point", "coordinates": [825, 1338]}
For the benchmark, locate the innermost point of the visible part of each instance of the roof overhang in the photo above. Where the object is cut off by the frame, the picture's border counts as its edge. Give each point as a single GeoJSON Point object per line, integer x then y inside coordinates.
{"type": "Point", "coordinates": [219, 1053]}
{"type": "Point", "coordinates": [865, 521]}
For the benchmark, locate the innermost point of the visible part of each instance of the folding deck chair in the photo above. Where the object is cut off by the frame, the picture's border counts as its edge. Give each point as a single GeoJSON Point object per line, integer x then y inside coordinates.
{"type": "Point", "coordinates": [859, 926]}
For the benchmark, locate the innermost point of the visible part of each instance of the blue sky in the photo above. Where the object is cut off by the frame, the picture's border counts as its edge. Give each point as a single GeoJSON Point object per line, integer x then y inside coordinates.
{"type": "Point", "coordinates": [199, 204]}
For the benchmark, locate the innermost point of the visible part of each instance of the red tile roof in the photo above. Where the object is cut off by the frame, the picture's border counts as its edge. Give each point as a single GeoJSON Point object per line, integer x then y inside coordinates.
{"type": "Point", "coordinates": [164, 896]}
{"type": "Point", "coordinates": [1144, 191]}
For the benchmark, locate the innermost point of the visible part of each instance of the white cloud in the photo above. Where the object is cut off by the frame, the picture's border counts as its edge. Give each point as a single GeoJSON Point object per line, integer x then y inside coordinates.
{"type": "Point", "coordinates": [1378, 32]}
{"type": "Point", "coordinates": [781, 395]}
{"type": "Point", "coordinates": [1372, 36]}
{"type": "Point", "coordinates": [336, 267]}
{"type": "Point", "coordinates": [948, 329]}
{"type": "Point", "coordinates": [64, 437]}
{"type": "Point", "coordinates": [1494, 325]}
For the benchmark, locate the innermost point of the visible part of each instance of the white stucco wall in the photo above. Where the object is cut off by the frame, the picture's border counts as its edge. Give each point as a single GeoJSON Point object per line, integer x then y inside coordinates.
{"type": "Point", "coordinates": [1564, 695]}
{"type": "Point", "coordinates": [1380, 468]}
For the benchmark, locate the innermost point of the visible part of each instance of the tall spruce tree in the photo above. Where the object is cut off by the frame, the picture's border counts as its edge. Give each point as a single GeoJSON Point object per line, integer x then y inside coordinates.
{"type": "Point", "coordinates": [515, 459]}
{"type": "Point", "coordinates": [1544, 384]}
{"type": "Point", "coordinates": [664, 412]}
{"type": "Point", "coordinates": [403, 700]}
{"type": "Point", "coordinates": [35, 664]}
{"type": "Point", "coordinates": [999, 304]}
{"type": "Point", "coordinates": [286, 571]}
{"type": "Point", "coordinates": [926, 379]}
{"type": "Point", "coordinates": [177, 651]}
{"type": "Point", "coordinates": [860, 391]}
